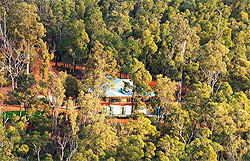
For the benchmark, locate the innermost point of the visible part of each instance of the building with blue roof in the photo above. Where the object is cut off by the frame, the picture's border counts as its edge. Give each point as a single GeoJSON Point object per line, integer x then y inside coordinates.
{"type": "Point", "coordinates": [118, 98]}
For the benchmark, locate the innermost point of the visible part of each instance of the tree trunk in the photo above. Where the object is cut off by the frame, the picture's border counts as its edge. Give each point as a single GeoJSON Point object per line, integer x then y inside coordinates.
{"type": "Point", "coordinates": [66, 113]}
{"type": "Point", "coordinates": [218, 88]}
{"type": "Point", "coordinates": [133, 100]}
{"type": "Point", "coordinates": [20, 114]}
{"type": "Point", "coordinates": [180, 89]}
{"type": "Point", "coordinates": [15, 82]}
{"type": "Point", "coordinates": [28, 63]}
{"type": "Point", "coordinates": [2, 87]}
{"type": "Point", "coordinates": [210, 79]}
{"type": "Point", "coordinates": [214, 81]}
{"type": "Point", "coordinates": [12, 83]}
{"type": "Point", "coordinates": [56, 115]}
{"type": "Point", "coordinates": [55, 126]}
{"type": "Point", "coordinates": [38, 155]}
{"type": "Point", "coordinates": [62, 154]}
{"type": "Point", "coordinates": [60, 40]}
{"type": "Point", "coordinates": [53, 119]}
{"type": "Point", "coordinates": [180, 86]}
{"type": "Point", "coordinates": [182, 55]}
{"type": "Point", "coordinates": [72, 149]}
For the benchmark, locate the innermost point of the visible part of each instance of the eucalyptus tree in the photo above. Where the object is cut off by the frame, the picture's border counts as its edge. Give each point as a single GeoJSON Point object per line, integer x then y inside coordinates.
{"type": "Point", "coordinates": [183, 45]}
{"type": "Point", "coordinates": [24, 26]}
{"type": "Point", "coordinates": [141, 79]}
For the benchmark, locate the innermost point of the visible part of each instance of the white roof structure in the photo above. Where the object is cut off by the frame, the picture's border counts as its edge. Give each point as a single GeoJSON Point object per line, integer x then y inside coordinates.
{"type": "Point", "coordinates": [118, 89]}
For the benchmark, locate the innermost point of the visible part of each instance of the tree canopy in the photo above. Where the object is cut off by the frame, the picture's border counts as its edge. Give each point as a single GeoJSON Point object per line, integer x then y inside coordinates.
{"type": "Point", "coordinates": [196, 52]}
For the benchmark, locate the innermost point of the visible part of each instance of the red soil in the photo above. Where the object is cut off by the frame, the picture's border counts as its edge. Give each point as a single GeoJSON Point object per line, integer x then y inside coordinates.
{"type": "Point", "coordinates": [4, 91]}
{"type": "Point", "coordinates": [38, 76]}
{"type": "Point", "coordinates": [124, 121]}
{"type": "Point", "coordinates": [11, 108]}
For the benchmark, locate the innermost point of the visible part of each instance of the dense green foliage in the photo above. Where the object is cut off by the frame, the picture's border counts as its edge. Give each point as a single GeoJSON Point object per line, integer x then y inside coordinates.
{"type": "Point", "coordinates": [197, 51]}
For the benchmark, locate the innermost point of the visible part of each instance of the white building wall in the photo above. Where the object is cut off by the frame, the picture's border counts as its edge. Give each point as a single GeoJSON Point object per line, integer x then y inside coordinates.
{"type": "Point", "coordinates": [128, 110]}
{"type": "Point", "coordinates": [116, 110]}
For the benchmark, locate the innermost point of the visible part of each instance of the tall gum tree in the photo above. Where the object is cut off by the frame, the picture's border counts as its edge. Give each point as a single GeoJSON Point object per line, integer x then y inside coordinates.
{"type": "Point", "coordinates": [100, 64]}
{"type": "Point", "coordinates": [141, 78]}
{"type": "Point", "coordinates": [183, 44]}
{"type": "Point", "coordinates": [213, 56]}
{"type": "Point", "coordinates": [165, 92]}
{"type": "Point", "coordinates": [25, 28]}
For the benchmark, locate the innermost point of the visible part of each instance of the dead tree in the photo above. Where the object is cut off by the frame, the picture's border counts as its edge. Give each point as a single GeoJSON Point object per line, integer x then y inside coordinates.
{"type": "Point", "coordinates": [12, 60]}
{"type": "Point", "coordinates": [62, 141]}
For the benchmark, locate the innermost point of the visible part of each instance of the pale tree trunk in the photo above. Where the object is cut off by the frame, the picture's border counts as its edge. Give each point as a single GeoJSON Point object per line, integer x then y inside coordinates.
{"type": "Point", "coordinates": [218, 88]}
{"type": "Point", "coordinates": [133, 100]}
{"type": "Point", "coordinates": [12, 83]}
{"type": "Point", "coordinates": [20, 114]}
{"type": "Point", "coordinates": [55, 126]}
{"type": "Point", "coordinates": [62, 154]}
{"type": "Point", "coordinates": [45, 1]}
{"type": "Point", "coordinates": [21, 106]}
{"type": "Point", "coordinates": [38, 155]}
{"type": "Point", "coordinates": [213, 78]}
{"type": "Point", "coordinates": [66, 113]}
{"type": "Point", "coordinates": [37, 151]}
{"type": "Point", "coordinates": [15, 84]}
{"type": "Point", "coordinates": [180, 90]}
{"type": "Point", "coordinates": [184, 44]}
{"type": "Point", "coordinates": [74, 64]}
{"type": "Point", "coordinates": [28, 64]}
{"type": "Point", "coordinates": [62, 142]}
{"type": "Point", "coordinates": [210, 79]}
{"type": "Point", "coordinates": [214, 81]}
{"type": "Point", "coordinates": [60, 50]}
{"type": "Point", "coordinates": [73, 149]}
{"type": "Point", "coordinates": [53, 118]}
{"type": "Point", "coordinates": [15, 61]}
{"type": "Point", "coordinates": [28, 59]}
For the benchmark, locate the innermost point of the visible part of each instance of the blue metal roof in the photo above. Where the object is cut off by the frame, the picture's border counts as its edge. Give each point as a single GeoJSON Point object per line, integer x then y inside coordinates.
{"type": "Point", "coordinates": [117, 80]}
{"type": "Point", "coordinates": [116, 91]}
